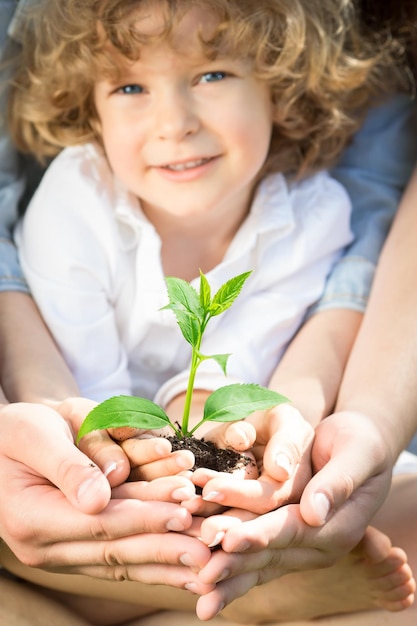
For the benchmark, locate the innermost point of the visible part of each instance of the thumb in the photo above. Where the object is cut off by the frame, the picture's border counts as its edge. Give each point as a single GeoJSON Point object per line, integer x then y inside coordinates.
{"type": "Point", "coordinates": [352, 463]}
{"type": "Point", "coordinates": [239, 436]}
{"type": "Point", "coordinates": [339, 481]}
{"type": "Point", "coordinates": [42, 441]}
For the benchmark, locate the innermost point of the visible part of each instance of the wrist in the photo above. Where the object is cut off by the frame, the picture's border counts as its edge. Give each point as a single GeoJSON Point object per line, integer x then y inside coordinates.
{"type": "Point", "coordinates": [385, 438]}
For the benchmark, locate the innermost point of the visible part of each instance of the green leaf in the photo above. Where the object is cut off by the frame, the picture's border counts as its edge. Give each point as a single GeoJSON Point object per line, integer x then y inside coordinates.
{"type": "Point", "coordinates": [205, 292]}
{"type": "Point", "coordinates": [183, 296]}
{"type": "Point", "coordinates": [237, 401]}
{"type": "Point", "coordinates": [121, 411]}
{"type": "Point", "coordinates": [189, 325]}
{"type": "Point", "coordinates": [184, 301]}
{"type": "Point", "coordinates": [221, 359]}
{"type": "Point", "coordinates": [228, 293]}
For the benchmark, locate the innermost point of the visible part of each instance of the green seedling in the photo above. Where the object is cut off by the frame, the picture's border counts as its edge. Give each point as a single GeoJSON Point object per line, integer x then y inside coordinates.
{"type": "Point", "coordinates": [230, 403]}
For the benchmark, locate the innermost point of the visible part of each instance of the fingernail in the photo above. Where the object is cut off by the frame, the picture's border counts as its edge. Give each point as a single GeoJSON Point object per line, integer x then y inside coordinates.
{"type": "Point", "coordinates": [321, 506]}
{"type": "Point", "coordinates": [191, 587]}
{"type": "Point", "coordinates": [187, 560]}
{"type": "Point", "coordinates": [225, 574]}
{"type": "Point", "coordinates": [241, 433]}
{"type": "Point", "coordinates": [163, 447]}
{"type": "Point", "coordinates": [283, 461]}
{"type": "Point", "coordinates": [213, 496]}
{"type": "Point", "coordinates": [87, 489]}
{"type": "Point", "coordinates": [109, 468]}
{"type": "Point", "coordinates": [184, 461]}
{"type": "Point", "coordinates": [183, 493]}
{"type": "Point", "coordinates": [175, 525]}
{"type": "Point", "coordinates": [217, 539]}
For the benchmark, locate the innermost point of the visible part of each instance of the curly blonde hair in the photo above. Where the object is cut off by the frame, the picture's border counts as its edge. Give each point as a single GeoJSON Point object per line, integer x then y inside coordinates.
{"type": "Point", "coordinates": [321, 69]}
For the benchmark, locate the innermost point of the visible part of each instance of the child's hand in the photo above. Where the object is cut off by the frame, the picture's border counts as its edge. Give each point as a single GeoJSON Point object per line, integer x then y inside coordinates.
{"type": "Point", "coordinates": [168, 489]}
{"type": "Point", "coordinates": [282, 451]}
{"type": "Point", "coordinates": [151, 458]}
{"type": "Point", "coordinates": [155, 470]}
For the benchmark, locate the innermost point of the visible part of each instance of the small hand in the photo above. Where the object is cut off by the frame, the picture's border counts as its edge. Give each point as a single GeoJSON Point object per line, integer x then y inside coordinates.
{"type": "Point", "coordinates": [282, 453]}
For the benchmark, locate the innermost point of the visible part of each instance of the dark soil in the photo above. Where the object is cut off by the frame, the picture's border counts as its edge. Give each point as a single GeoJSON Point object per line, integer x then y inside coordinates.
{"type": "Point", "coordinates": [208, 455]}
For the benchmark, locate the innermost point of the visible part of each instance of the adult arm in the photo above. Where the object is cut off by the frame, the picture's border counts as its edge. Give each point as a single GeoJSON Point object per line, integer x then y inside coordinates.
{"type": "Point", "coordinates": [373, 421]}
{"type": "Point", "coordinates": [385, 387]}
{"type": "Point", "coordinates": [375, 169]}
{"type": "Point", "coordinates": [375, 418]}
{"type": "Point", "coordinates": [379, 384]}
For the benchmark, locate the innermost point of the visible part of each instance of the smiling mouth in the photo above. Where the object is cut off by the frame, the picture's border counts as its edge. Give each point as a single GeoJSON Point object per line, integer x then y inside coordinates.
{"type": "Point", "coordinates": [182, 167]}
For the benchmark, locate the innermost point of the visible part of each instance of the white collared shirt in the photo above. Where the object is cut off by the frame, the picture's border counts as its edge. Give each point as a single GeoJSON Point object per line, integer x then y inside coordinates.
{"type": "Point", "coordinates": [92, 260]}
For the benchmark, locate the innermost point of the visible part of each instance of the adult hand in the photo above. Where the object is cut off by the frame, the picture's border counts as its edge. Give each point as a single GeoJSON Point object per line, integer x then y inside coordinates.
{"type": "Point", "coordinates": [353, 474]}
{"type": "Point", "coordinates": [56, 513]}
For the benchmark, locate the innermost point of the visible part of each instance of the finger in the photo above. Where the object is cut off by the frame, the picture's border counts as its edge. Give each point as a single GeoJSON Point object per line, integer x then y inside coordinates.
{"type": "Point", "coordinates": [171, 568]}
{"type": "Point", "coordinates": [212, 530]}
{"type": "Point", "coordinates": [324, 496]}
{"type": "Point", "coordinates": [178, 577]}
{"type": "Point", "coordinates": [146, 548]}
{"type": "Point", "coordinates": [289, 443]}
{"type": "Point", "coordinates": [338, 477]}
{"type": "Point", "coordinates": [259, 496]}
{"type": "Point", "coordinates": [124, 432]}
{"type": "Point", "coordinates": [40, 513]}
{"type": "Point", "coordinates": [97, 446]}
{"type": "Point", "coordinates": [239, 436]}
{"type": "Point", "coordinates": [279, 541]}
{"type": "Point", "coordinates": [197, 506]}
{"type": "Point", "coordinates": [107, 455]}
{"type": "Point", "coordinates": [280, 529]}
{"type": "Point", "coordinates": [170, 489]}
{"type": "Point", "coordinates": [210, 604]}
{"type": "Point", "coordinates": [63, 464]}
{"type": "Point", "coordinates": [227, 566]}
{"type": "Point", "coordinates": [152, 458]}
{"type": "Point", "coordinates": [300, 544]}
{"type": "Point", "coordinates": [74, 411]}
{"type": "Point", "coordinates": [146, 450]}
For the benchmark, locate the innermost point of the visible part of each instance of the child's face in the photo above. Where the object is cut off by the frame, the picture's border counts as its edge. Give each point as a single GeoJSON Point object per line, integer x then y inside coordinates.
{"type": "Point", "coordinates": [186, 135]}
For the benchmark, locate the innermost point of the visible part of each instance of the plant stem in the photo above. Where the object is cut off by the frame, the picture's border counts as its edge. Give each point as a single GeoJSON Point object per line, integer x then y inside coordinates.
{"type": "Point", "coordinates": [195, 362]}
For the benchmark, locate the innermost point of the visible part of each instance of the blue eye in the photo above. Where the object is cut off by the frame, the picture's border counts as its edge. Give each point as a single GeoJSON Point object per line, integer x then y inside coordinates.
{"type": "Point", "coordinates": [212, 77]}
{"type": "Point", "coordinates": [130, 89]}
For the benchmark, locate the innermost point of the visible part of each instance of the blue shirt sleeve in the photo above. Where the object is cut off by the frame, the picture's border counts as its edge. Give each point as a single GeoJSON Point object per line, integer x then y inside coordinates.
{"type": "Point", "coordinates": [11, 183]}
{"type": "Point", "coordinates": [375, 169]}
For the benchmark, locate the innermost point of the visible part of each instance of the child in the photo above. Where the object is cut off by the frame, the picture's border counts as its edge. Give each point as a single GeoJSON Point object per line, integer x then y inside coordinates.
{"type": "Point", "coordinates": [184, 151]}
{"type": "Point", "coordinates": [188, 151]}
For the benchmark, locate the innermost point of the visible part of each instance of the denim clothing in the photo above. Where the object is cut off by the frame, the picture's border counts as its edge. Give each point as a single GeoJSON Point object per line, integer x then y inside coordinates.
{"type": "Point", "coordinates": [11, 182]}
{"type": "Point", "coordinates": [374, 170]}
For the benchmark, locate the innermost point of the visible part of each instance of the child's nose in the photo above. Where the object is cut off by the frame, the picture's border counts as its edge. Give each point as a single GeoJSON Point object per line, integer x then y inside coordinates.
{"type": "Point", "coordinates": [176, 117]}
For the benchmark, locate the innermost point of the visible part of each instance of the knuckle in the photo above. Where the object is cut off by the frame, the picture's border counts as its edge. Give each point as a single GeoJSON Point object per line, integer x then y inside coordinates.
{"type": "Point", "coordinates": [121, 574]}
{"type": "Point", "coordinates": [19, 529]}
{"type": "Point", "coordinates": [110, 557]}
{"type": "Point", "coordinates": [98, 531]}
{"type": "Point", "coordinates": [346, 486]}
{"type": "Point", "coordinates": [34, 558]}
